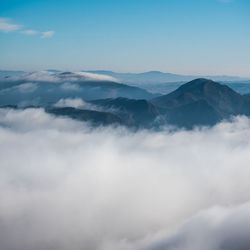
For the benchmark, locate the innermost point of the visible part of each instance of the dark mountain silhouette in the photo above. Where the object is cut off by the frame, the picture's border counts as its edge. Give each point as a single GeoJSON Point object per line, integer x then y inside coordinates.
{"type": "Point", "coordinates": [98, 90]}
{"type": "Point", "coordinates": [192, 114]}
{"type": "Point", "coordinates": [134, 112]}
{"type": "Point", "coordinates": [165, 83]}
{"type": "Point", "coordinates": [95, 117]}
{"type": "Point", "coordinates": [196, 103]}
{"type": "Point", "coordinates": [201, 102]}
{"type": "Point", "coordinates": [44, 93]}
{"type": "Point", "coordinates": [50, 86]}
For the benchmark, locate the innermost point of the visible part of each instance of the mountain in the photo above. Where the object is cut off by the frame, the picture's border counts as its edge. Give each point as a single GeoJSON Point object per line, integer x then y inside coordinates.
{"type": "Point", "coordinates": [9, 73]}
{"type": "Point", "coordinates": [165, 83]}
{"type": "Point", "coordinates": [47, 88]}
{"type": "Point", "coordinates": [201, 102]}
{"type": "Point", "coordinates": [96, 118]}
{"type": "Point", "coordinates": [140, 113]}
{"type": "Point", "coordinates": [196, 103]}
{"type": "Point", "coordinates": [220, 96]}
{"type": "Point", "coordinates": [157, 77]}
{"type": "Point", "coordinates": [242, 87]}
{"type": "Point", "coordinates": [144, 78]}
{"type": "Point", "coordinates": [98, 90]}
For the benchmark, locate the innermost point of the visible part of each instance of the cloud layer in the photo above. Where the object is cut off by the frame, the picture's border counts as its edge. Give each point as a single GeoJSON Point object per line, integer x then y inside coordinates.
{"type": "Point", "coordinates": [66, 186]}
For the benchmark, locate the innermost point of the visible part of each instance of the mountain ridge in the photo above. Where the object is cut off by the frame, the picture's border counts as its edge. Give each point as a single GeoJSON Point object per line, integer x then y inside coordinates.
{"type": "Point", "coordinates": [200, 102]}
{"type": "Point", "coordinates": [162, 77]}
{"type": "Point", "coordinates": [220, 100]}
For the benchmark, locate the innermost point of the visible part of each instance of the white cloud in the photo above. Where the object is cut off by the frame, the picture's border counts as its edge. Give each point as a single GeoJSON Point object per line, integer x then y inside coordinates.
{"type": "Point", "coordinates": [75, 103]}
{"type": "Point", "coordinates": [21, 88]}
{"type": "Point", "coordinates": [66, 186]}
{"type": "Point", "coordinates": [26, 87]}
{"type": "Point", "coordinates": [48, 34]}
{"type": "Point", "coordinates": [29, 32]}
{"type": "Point", "coordinates": [67, 78]}
{"type": "Point", "coordinates": [7, 26]}
{"type": "Point", "coordinates": [218, 228]}
{"type": "Point", "coordinates": [42, 76]}
{"type": "Point", "coordinates": [69, 86]}
{"type": "Point", "coordinates": [97, 77]}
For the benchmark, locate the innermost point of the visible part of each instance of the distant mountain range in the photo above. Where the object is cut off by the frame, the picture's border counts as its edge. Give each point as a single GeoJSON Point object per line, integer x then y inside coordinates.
{"type": "Point", "coordinates": [200, 102]}
{"type": "Point", "coordinates": [98, 99]}
{"type": "Point", "coordinates": [164, 83]}
{"type": "Point", "coordinates": [161, 77]}
{"type": "Point", "coordinates": [152, 81]}
{"type": "Point", "coordinates": [43, 88]}
{"type": "Point", "coordinates": [142, 78]}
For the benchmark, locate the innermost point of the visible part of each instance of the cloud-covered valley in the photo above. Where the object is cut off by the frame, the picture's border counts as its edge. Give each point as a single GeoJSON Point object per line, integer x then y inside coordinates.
{"type": "Point", "coordinates": [65, 185]}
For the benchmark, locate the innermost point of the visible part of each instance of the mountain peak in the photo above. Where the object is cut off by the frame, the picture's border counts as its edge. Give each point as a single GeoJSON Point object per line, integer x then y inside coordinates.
{"type": "Point", "coordinates": [203, 88]}
{"type": "Point", "coordinates": [221, 98]}
{"type": "Point", "coordinates": [201, 82]}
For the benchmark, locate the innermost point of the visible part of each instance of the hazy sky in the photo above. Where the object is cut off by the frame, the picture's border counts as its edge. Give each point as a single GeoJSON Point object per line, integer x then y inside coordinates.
{"type": "Point", "coordinates": [178, 36]}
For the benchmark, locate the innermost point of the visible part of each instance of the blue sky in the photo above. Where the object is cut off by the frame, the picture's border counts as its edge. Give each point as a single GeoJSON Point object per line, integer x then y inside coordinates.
{"type": "Point", "coordinates": [178, 36]}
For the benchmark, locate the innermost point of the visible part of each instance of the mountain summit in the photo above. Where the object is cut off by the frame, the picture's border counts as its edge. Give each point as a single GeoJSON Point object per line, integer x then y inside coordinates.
{"type": "Point", "coordinates": [201, 102]}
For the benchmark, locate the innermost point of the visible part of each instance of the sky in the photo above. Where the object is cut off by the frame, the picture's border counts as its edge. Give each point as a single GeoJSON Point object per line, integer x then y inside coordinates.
{"type": "Point", "coordinates": [208, 37]}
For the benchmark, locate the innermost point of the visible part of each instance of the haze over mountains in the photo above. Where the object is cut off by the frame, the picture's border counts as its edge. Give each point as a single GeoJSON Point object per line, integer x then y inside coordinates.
{"type": "Point", "coordinates": [101, 99]}
{"type": "Point", "coordinates": [140, 78]}
{"type": "Point", "coordinates": [43, 88]}
{"type": "Point", "coordinates": [164, 83]}
{"type": "Point", "coordinates": [152, 81]}
{"type": "Point", "coordinates": [161, 77]}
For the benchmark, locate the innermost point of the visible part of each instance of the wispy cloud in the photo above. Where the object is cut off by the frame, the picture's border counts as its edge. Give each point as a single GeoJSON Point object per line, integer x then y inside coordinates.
{"type": "Point", "coordinates": [29, 32]}
{"type": "Point", "coordinates": [47, 34]}
{"type": "Point", "coordinates": [7, 26]}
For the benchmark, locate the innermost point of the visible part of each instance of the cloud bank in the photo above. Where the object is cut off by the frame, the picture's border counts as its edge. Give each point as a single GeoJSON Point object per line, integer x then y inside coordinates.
{"type": "Point", "coordinates": [66, 186]}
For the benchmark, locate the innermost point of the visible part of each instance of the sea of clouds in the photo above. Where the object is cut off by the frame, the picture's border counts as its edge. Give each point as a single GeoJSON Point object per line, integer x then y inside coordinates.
{"type": "Point", "coordinates": [66, 186]}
